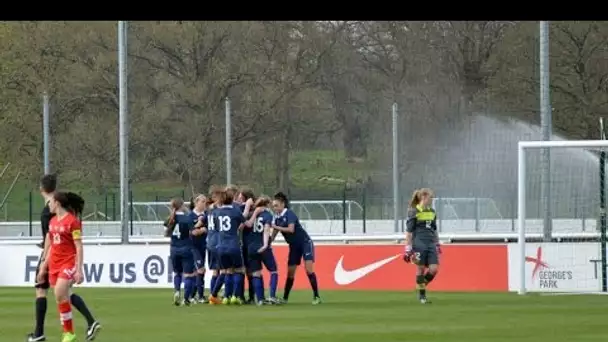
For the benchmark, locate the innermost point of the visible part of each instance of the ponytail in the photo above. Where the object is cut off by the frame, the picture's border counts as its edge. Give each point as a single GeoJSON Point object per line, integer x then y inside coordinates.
{"type": "Point", "coordinates": [75, 203]}
{"type": "Point", "coordinates": [192, 204]}
{"type": "Point", "coordinates": [263, 201]}
{"type": "Point", "coordinates": [70, 202]}
{"type": "Point", "coordinates": [177, 203]}
{"type": "Point", "coordinates": [418, 194]}
{"type": "Point", "coordinates": [415, 199]}
{"type": "Point", "coordinates": [248, 194]}
{"type": "Point", "coordinates": [209, 202]}
{"type": "Point", "coordinates": [231, 192]}
{"type": "Point", "coordinates": [226, 197]}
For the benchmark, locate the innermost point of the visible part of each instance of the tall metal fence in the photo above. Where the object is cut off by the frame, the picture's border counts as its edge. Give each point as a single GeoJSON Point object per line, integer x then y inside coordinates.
{"type": "Point", "coordinates": [350, 112]}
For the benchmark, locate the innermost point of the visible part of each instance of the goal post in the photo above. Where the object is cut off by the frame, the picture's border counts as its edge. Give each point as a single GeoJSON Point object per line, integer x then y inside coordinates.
{"type": "Point", "coordinates": [574, 265]}
{"type": "Point", "coordinates": [602, 188]}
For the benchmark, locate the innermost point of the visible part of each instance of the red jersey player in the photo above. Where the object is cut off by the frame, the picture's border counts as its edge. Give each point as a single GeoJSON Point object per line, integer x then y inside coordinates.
{"type": "Point", "coordinates": [63, 255]}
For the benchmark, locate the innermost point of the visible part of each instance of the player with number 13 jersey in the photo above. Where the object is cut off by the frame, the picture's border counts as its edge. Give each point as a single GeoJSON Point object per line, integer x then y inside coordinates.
{"type": "Point", "coordinates": [228, 221]}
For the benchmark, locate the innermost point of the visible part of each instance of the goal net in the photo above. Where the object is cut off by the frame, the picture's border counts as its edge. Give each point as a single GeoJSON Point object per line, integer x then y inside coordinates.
{"type": "Point", "coordinates": [561, 229]}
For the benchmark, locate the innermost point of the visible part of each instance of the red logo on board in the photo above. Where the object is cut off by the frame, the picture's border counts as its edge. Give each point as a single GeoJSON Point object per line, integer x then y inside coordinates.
{"type": "Point", "coordinates": [538, 262]}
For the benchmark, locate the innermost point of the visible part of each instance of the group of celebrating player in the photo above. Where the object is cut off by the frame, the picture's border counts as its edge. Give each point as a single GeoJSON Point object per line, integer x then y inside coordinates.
{"type": "Point", "coordinates": [235, 230]}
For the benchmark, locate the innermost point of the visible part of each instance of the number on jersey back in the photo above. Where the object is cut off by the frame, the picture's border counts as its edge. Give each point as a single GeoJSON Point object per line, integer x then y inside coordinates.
{"type": "Point", "coordinates": [259, 226]}
{"type": "Point", "coordinates": [211, 223]}
{"type": "Point", "coordinates": [225, 223]}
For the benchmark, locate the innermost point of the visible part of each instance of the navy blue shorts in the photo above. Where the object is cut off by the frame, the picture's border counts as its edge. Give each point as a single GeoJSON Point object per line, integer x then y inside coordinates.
{"type": "Point", "coordinates": [199, 255]}
{"type": "Point", "coordinates": [214, 260]}
{"type": "Point", "coordinates": [266, 258]}
{"type": "Point", "coordinates": [231, 258]}
{"type": "Point", "coordinates": [182, 260]}
{"type": "Point", "coordinates": [245, 253]}
{"type": "Point", "coordinates": [297, 252]}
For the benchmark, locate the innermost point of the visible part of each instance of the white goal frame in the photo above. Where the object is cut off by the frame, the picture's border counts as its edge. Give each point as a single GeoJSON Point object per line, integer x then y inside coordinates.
{"type": "Point", "coordinates": [522, 147]}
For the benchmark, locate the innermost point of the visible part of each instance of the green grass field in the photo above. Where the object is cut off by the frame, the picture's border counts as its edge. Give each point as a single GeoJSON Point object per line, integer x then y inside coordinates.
{"type": "Point", "coordinates": [147, 315]}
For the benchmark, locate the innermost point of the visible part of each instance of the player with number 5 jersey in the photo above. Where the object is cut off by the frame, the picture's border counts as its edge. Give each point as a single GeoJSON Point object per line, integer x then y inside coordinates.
{"type": "Point", "coordinates": [228, 220]}
{"type": "Point", "coordinates": [300, 245]}
{"type": "Point", "coordinates": [179, 228]}
{"type": "Point", "coordinates": [260, 251]}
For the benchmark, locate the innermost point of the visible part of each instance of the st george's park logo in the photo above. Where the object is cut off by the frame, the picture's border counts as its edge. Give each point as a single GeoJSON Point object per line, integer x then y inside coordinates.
{"type": "Point", "coordinates": [548, 278]}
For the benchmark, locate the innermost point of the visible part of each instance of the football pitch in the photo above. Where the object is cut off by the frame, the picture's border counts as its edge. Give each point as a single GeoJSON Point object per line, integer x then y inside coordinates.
{"type": "Point", "coordinates": [129, 315]}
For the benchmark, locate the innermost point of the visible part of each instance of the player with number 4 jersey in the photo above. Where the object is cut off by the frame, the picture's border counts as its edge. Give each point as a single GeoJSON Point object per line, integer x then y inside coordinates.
{"type": "Point", "coordinates": [260, 251]}
{"type": "Point", "coordinates": [179, 228]}
{"type": "Point", "coordinates": [421, 241]}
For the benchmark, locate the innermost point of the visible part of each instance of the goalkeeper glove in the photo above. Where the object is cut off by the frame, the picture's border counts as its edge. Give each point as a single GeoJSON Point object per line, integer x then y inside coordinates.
{"type": "Point", "coordinates": [409, 252]}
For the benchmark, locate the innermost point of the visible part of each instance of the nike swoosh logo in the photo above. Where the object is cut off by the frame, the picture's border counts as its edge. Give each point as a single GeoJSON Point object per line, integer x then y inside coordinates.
{"type": "Point", "coordinates": [344, 277]}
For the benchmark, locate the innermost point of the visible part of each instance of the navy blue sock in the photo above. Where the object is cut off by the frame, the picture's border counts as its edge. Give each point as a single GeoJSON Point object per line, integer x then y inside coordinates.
{"type": "Point", "coordinates": [189, 286]}
{"type": "Point", "coordinates": [229, 285]}
{"type": "Point", "coordinates": [274, 283]}
{"type": "Point", "coordinates": [262, 282]}
{"type": "Point", "coordinates": [80, 305]}
{"type": "Point", "coordinates": [200, 285]}
{"type": "Point", "coordinates": [177, 282]}
{"type": "Point", "coordinates": [250, 287]}
{"type": "Point", "coordinates": [259, 290]}
{"type": "Point", "coordinates": [288, 286]}
{"type": "Point", "coordinates": [213, 281]}
{"type": "Point", "coordinates": [219, 282]}
{"type": "Point", "coordinates": [312, 278]}
{"type": "Point", "coordinates": [193, 287]}
{"type": "Point", "coordinates": [239, 284]}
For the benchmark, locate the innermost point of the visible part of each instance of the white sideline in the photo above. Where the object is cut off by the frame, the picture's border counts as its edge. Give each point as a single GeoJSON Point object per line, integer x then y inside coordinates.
{"type": "Point", "coordinates": [572, 293]}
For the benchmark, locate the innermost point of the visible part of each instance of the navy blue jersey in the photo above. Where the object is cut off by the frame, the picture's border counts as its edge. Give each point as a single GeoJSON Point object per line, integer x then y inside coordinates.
{"type": "Point", "coordinates": [240, 206]}
{"type": "Point", "coordinates": [213, 236]}
{"type": "Point", "coordinates": [256, 235]}
{"type": "Point", "coordinates": [246, 230]}
{"type": "Point", "coordinates": [181, 233]}
{"type": "Point", "coordinates": [227, 220]}
{"type": "Point", "coordinates": [199, 241]}
{"type": "Point", "coordinates": [286, 218]}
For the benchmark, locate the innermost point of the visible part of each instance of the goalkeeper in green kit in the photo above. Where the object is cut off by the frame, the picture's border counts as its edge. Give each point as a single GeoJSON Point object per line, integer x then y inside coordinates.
{"type": "Point", "coordinates": [421, 241]}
